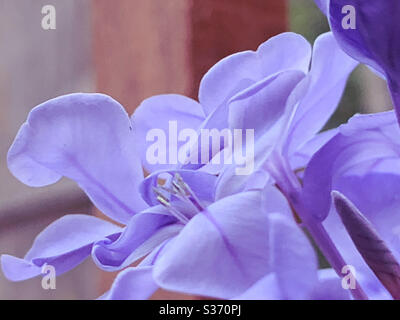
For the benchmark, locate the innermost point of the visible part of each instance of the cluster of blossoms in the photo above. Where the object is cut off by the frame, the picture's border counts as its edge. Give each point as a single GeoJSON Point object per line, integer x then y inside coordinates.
{"type": "Point", "coordinates": [204, 230]}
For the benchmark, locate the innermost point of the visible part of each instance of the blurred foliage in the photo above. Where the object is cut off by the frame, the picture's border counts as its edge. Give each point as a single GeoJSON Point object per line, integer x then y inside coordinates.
{"type": "Point", "coordinates": [305, 18]}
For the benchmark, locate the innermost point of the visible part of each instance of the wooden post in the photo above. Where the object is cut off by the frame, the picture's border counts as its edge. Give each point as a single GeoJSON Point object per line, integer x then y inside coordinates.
{"type": "Point", "coordinates": [142, 48]}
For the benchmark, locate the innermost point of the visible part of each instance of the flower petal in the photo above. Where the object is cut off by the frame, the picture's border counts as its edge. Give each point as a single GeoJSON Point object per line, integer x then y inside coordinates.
{"type": "Point", "coordinates": [366, 43]}
{"type": "Point", "coordinates": [16, 269]}
{"type": "Point", "coordinates": [329, 287]}
{"type": "Point", "coordinates": [132, 284]}
{"type": "Point", "coordinates": [292, 255]}
{"type": "Point", "coordinates": [260, 106]}
{"type": "Point", "coordinates": [267, 288]}
{"type": "Point", "coordinates": [63, 244]}
{"type": "Point", "coordinates": [367, 143]}
{"type": "Point", "coordinates": [145, 232]}
{"type": "Point", "coordinates": [300, 159]}
{"type": "Point", "coordinates": [287, 51]}
{"type": "Point", "coordinates": [87, 138]}
{"type": "Point", "coordinates": [374, 40]}
{"type": "Point", "coordinates": [221, 252]}
{"type": "Point", "coordinates": [159, 113]}
{"type": "Point", "coordinates": [328, 76]}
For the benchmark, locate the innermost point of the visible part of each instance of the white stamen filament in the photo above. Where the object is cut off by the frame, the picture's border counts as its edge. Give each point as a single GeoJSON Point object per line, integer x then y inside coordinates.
{"type": "Point", "coordinates": [182, 192]}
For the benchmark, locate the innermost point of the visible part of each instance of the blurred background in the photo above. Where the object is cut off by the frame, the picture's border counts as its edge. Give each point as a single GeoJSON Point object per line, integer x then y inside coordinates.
{"type": "Point", "coordinates": [129, 49]}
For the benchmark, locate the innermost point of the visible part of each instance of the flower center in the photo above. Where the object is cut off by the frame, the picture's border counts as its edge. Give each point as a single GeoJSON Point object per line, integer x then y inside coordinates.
{"type": "Point", "coordinates": [179, 199]}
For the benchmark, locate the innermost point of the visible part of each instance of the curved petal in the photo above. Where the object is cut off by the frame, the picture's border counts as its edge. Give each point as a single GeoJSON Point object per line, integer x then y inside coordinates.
{"type": "Point", "coordinates": [367, 43]}
{"type": "Point", "coordinates": [16, 269]}
{"type": "Point", "coordinates": [132, 284]}
{"type": "Point", "coordinates": [164, 117]}
{"type": "Point", "coordinates": [264, 109]}
{"type": "Point", "coordinates": [63, 244]}
{"type": "Point", "coordinates": [87, 138]}
{"type": "Point", "coordinates": [374, 39]}
{"type": "Point", "coordinates": [287, 51]}
{"type": "Point", "coordinates": [221, 252]}
{"type": "Point", "coordinates": [260, 106]}
{"type": "Point", "coordinates": [144, 233]}
{"type": "Point", "coordinates": [328, 76]}
{"type": "Point", "coordinates": [367, 143]}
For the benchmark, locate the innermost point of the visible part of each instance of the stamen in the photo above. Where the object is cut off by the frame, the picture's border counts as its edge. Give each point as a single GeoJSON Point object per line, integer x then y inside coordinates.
{"type": "Point", "coordinates": [178, 181]}
{"type": "Point", "coordinates": [181, 191]}
{"type": "Point", "coordinates": [182, 197]}
{"type": "Point", "coordinates": [166, 203]}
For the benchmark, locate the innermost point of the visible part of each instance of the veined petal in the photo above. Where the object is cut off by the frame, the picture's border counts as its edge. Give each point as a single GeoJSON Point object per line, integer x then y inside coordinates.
{"type": "Point", "coordinates": [63, 244]}
{"type": "Point", "coordinates": [221, 252]}
{"type": "Point", "coordinates": [287, 51]}
{"type": "Point", "coordinates": [87, 138]}
{"type": "Point", "coordinates": [132, 284]}
{"type": "Point", "coordinates": [166, 115]}
{"type": "Point", "coordinates": [328, 76]}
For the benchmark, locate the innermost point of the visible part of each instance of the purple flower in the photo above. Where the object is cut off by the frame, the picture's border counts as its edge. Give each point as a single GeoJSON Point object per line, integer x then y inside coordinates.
{"type": "Point", "coordinates": [372, 38]}
{"type": "Point", "coordinates": [193, 241]}
{"type": "Point", "coordinates": [89, 138]}
{"type": "Point", "coordinates": [287, 111]}
{"type": "Point", "coordinates": [277, 65]}
{"type": "Point", "coordinates": [361, 162]}
{"type": "Point", "coordinates": [191, 231]}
